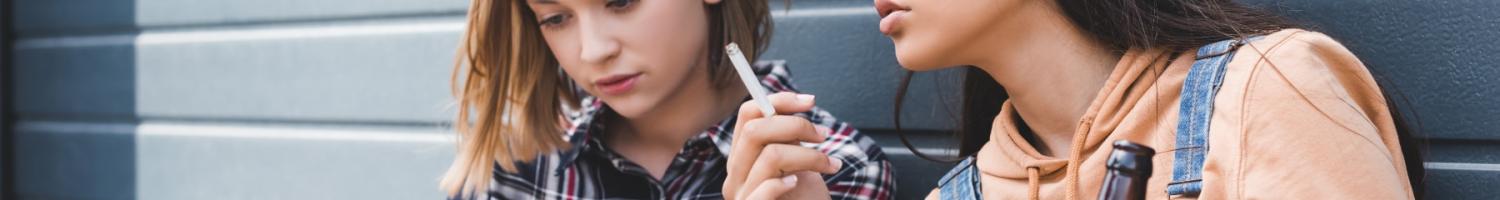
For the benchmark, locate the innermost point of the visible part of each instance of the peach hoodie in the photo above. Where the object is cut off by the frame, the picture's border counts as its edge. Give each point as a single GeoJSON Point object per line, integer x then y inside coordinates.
{"type": "Point", "coordinates": [1298, 117]}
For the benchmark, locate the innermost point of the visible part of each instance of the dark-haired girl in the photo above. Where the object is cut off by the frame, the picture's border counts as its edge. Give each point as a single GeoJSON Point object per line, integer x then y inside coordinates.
{"type": "Point", "coordinates": [1237, 102]}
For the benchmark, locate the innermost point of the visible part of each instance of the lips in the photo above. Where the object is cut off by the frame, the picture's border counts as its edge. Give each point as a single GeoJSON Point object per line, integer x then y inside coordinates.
{"type": "Point", "coordinates": [885, 7]}
{"type": "Point", "coordinates": [891, 14]}
{"type": "Point", "coordinates": [617, 84]}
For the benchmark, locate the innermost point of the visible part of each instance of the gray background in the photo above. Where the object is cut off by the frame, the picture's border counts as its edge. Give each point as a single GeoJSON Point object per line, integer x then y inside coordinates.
{"type": "Point", "coordinates": [347, 99]}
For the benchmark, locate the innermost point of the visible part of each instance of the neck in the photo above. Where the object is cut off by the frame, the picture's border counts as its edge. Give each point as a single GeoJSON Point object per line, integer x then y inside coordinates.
{"type": "Point", "coordinates": [1052, 71]}
{"type": "Point", "coordinates": [680, 117]}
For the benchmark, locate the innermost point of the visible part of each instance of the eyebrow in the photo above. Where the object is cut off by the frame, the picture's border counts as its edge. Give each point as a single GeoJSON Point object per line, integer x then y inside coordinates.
{"type": "Point", "coordinates": [544, 1]}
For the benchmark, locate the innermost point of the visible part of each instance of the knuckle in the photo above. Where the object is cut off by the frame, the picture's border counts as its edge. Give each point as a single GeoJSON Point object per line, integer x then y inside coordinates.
{"type": "Point", "coordinates": [772, 155]}
{"type": "Point", "coordinates": [748, 108]}
{"type": "Point", "coordinates": [808, 127]}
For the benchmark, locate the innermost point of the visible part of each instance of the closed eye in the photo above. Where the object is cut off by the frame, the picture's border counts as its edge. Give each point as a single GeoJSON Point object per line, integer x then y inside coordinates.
{"type": "Point", "coordinates": [553, 21]}
{"type": "Point", "coordinates": [618, 4]}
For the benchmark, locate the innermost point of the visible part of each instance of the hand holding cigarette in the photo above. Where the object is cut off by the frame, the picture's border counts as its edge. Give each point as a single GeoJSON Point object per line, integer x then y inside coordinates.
{"type": "Point", "coordinates": [766, 160]}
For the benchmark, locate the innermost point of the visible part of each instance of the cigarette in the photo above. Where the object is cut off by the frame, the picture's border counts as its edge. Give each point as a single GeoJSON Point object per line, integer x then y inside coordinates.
{"type": "Point", "coordinates": [742, 66]}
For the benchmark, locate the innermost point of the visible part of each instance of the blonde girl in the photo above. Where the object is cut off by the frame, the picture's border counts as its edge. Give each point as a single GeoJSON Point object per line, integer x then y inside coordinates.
{"type": "Point", "coordinates": [632, 99]}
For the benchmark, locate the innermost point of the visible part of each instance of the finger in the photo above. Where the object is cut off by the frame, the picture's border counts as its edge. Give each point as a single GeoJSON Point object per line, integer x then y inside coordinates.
{"type": "Point", "coordinates": [779, 160]}
{"type": "Point", "coordinates": [810, 185]}
{"type": "Point", "coordinates": [772, 188]}
{"type": "Point", "coordinates": [823, 131]}
{"type": "Point", "coordinates": [783, 102]}
{"type": "Point", "coordinates": [749, 111]}
{"type": "Point", "coordinates": [780, 129]}
{"type": "Point", "coordinates": [748, 142]}
{"type": "Point", "coordinates": [791, 103]}
{"type": "Point", "coordinates": [790, 158]}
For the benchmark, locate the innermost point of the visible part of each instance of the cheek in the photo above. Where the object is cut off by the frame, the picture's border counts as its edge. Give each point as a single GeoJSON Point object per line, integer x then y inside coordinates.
{"type": "Point", "coordinates": [667, 41]}
{"type": "Point", "coordinates": [580, 78]}
{"type": "Point", "coordinates": [667, 37]}
{"type": "Point", "coordinates": [565, 49]}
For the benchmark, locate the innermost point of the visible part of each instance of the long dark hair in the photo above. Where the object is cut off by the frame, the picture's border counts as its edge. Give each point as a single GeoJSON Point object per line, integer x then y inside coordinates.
{"type": "Point", "coordinates": [1174, 25]}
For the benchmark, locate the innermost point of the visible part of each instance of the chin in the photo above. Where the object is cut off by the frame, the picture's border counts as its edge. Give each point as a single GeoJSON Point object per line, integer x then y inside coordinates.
{"type": "Point", "coordinates": [916, 61]}
{"type": "Point", "coordinates": [917, 53]}
{"type": "Point", "coordinates": [630, 106]}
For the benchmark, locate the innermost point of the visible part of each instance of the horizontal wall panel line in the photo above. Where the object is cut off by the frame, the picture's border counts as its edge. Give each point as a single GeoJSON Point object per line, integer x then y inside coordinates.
{"type": "Point", "coordinates": [72, 127]}
{"type": "Point", "coordinates": [903, 151]}
{"type": "Point", "coordinates": [1485, 167]}
{"type": "Point", "coordinates": [246, 131]}
{"type": "Point", "coordinates": [97, 119]}
{"type": "Point", "coordinates": [295, 132]}
{"type": "Point", "coordinates": [294, 122]}
{"type": "Point", "coordinates": [248, 33]}
{"type": "Point", "coordinates": [141, 26]}
{"type": "Point", "coordinates": [312, 20]}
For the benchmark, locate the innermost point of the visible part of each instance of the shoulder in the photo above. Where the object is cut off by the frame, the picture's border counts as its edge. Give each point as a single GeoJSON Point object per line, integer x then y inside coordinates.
{"type": "Point", "coordinates": [1294, 53]}
{"type": "Point", "coordinates": [1309, 66]}
{"type": "Point", "coordinates": [1291, 101]}
{"type": "Point", "coordinates": [1301, 49]}
{"type": "Point", "coordinates": [1303, 81]}
{"type": "Point", "coordinates": [1299, 52]}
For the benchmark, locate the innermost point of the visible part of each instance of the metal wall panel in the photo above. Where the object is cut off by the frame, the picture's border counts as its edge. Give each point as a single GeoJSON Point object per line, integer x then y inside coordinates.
{"type": "Point", "coordinates": [347, 99]}
{"type": "Point", "coordinates": [159, 99]}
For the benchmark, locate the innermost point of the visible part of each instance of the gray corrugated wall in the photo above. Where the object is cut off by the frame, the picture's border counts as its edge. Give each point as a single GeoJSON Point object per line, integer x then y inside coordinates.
{"type": "Point", "coordinates": [189, 99]}
{"type": "Point", "coordinates": [346, 99]}
{"type": "Point", "coordinates": [5, 140]}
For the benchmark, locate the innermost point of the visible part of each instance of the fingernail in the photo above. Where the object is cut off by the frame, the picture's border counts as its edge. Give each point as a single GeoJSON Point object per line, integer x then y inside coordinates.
{"type": "Point", "coordinates": [835, 163]}
{"type": "Point", "coordinates": [789, 180]}
{"type": "Point", "coordinates": [824, 131]}
{"type": "Point", "coordinates": [805, 98]}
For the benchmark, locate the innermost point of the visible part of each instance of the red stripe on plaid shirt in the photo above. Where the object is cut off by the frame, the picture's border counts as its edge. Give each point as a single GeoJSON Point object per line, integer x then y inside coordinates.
{"type": "Point", "coordinates": [572, 182]}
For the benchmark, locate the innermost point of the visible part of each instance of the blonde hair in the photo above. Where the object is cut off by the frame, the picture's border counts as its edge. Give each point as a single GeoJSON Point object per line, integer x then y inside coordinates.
{"type": "Point", "coordinates": [511, 91]}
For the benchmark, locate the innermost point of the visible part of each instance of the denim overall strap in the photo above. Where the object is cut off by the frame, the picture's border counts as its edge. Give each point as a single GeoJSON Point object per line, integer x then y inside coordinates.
{"type": "Point", "coordinates": [1198, 91]}
{"type": "Point", "coordinates": [961, 183]}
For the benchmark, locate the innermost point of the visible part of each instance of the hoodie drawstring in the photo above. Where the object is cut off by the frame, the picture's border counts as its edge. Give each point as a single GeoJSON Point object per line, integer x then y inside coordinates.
{"type": "Point", "coordinates": [1033, 179]}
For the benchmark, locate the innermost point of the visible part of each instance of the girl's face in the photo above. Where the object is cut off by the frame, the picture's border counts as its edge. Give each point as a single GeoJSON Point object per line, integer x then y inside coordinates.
{"type": "Point", "coordinates": [933, 34]}
{"type": "Point", "coordinates": [632, 54]}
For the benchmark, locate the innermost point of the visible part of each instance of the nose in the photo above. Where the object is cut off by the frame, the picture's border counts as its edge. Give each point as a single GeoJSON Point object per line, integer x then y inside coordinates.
{"type": "Point", "coordinates": [599, 45]}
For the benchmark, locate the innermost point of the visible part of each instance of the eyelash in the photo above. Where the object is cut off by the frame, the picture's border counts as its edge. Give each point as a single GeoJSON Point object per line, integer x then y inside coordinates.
{"type": "Point", "coordinates": [553, 21]}
{"type": "Point", "coordinates": [624, 3]}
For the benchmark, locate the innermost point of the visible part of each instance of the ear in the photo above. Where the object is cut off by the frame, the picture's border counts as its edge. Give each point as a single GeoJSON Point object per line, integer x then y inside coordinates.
{"type": "Point", "coordinates": [711, 2]}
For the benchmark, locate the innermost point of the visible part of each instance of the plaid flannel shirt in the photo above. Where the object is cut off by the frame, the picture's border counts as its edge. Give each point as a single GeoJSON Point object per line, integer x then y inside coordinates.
{"type": "Point", "coordinates": [590, 170]}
